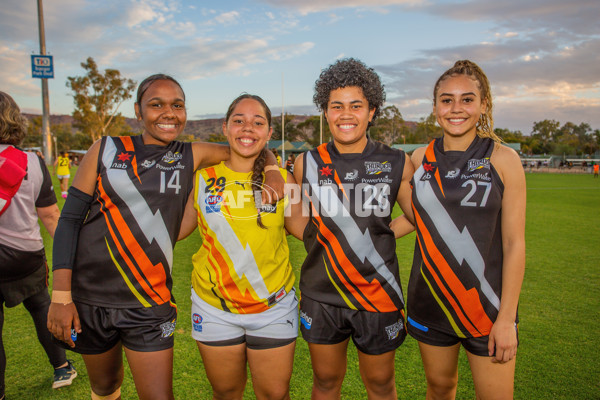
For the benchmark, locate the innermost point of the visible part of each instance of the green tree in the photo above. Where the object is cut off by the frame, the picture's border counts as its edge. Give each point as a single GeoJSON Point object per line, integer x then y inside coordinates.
{"type": "Point", "coordinates": [426, 130]}
{"type": "Point", "coordinates": [97, 97]}
{"type": "Point", "coordinates": [216, 137]}
{"type": "Point", "coordinates": [509, 136]}
{"type": "Point", "coordinates": [310, 131]}
{"type": "Point", "coordinates": [389, 126]}
{"type": "Point", "coordinates": [545, 131]}
{"type": "Point", "coordinates": [291, 132]}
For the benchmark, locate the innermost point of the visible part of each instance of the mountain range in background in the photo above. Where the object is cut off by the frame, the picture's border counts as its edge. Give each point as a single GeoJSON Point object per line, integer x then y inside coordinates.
{"type": "Point", "coordinates": [200, 128]}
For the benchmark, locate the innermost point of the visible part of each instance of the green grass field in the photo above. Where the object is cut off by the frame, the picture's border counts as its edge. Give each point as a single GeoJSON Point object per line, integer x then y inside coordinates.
{"type": "Point", "coordinates": [559, 328]}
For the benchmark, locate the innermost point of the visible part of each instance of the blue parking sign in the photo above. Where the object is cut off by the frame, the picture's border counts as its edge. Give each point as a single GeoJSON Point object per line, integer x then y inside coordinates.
{"type": "Point", "coordinates": [42, 66]}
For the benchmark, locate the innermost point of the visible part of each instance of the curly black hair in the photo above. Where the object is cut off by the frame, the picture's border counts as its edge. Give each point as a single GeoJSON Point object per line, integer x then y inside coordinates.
{"type": "Point", "coordinates": [349, 72]}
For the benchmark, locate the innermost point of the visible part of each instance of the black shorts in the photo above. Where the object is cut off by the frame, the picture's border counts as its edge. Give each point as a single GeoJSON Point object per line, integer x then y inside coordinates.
{"type": "Point", "coordinates": [139, 329]}
{"type": "Point", "coordinates": [372, 332]}
{"type": "Point", "coordinates": [433, 337]}
{"type": "Point", "coordinates": [22, 274]}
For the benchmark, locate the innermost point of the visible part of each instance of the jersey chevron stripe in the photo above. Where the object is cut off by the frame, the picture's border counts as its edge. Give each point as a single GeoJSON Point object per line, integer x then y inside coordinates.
{"type": "Point", "coordinates": [152, 283]}
{"type": "Point", "coordinates": [216, 260]}
{"type": "Point", "coordinates": [128, 143]}
{"type": "Point", "coordinates": [151, 224]}
{"type": "Point", "coordinates": [361, 243]}
{"type": "Point", "coordinates": [236, 251]}
{"type": "Point", "coordinates": [367, 290]}
{"type": "Point", "coordinates": [450, 279]}
{"type": "Point", "coordinates": [430, 157]}
{"type": "Point", "coordinates": [126, 278]}
{"type": "Point", "coordinates": [342, 294]}
{"type": "Point", "coordinates": [461, 244]}
{"type": "Point", "coordinates": [442, 306]}
{"type": "Point", "coordinates": [351, 288]}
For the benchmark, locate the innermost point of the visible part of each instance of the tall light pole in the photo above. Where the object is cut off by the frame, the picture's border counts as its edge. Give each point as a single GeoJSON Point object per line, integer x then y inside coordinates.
{"type": "Point", "coordinates": [46, 140]}
{"type": "Point", "coordinates": [282, 123]}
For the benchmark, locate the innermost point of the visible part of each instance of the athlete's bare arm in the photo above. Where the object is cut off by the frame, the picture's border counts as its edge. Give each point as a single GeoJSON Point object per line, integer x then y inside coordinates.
{"type": "Point", "coordinates": [404, 224]}
{"type": "Point", "coordinates": [296, 217]}
{"type": "Point", "coordinates": [63, 317]}
{"type": "Point", "coordinates": [190, 218]}
{"type": "Point", "coordinates": [207, 154]}
{"type": "Point", "coordinates": [503, 336]}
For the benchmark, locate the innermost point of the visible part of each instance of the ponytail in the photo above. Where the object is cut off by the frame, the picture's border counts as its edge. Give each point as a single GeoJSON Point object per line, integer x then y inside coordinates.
{"type": "Point", "coordinates": [257, 181]}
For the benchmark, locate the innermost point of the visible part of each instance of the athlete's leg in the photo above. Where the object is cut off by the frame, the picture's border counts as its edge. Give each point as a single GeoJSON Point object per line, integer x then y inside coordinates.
{"type": "Point", "coordinates": [271, 371]}
{"type": "Point", "coordinates": [38, 305]}
{"type": "Point", "coordinates": [152, 373]}
{"type": "Point", "coordinates": [441, 370]}
{"type": "Point", "coordinates": [226, 369]}
{"type": "Point", "coordinates": [492, 380]}
{"type": "Point", "coordinates": [377, 372]}
{"type": "Point", "coordinates": [64, 184]}
{"type": "Point", "coordinates": [105, 370]}
{"type": "Point", "coordinates": [329, 368]}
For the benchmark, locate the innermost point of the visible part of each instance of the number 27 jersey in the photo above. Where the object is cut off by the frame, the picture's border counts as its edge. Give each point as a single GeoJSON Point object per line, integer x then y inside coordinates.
{"type": "Point", "coordinates": [456, 277]}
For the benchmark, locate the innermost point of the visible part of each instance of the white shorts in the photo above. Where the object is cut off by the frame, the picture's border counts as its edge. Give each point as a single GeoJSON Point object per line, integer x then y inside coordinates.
{"type": "Point", "coordinates": [280, 322]}
{"type": "Point", "coordinates": [63, 176]}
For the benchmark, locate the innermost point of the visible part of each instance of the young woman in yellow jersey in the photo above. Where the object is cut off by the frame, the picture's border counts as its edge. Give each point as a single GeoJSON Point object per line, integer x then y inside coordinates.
{"type": "Point", "coordinates": [244, 306]}
{"type": "Point", "coordinates": [62, 170]}
{"type": "Point", "coordinates": [113, 248]}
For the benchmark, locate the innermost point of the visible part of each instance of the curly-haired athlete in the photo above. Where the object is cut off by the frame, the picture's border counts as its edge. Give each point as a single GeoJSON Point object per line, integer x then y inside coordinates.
{"type": "Point", "coordinates": [350, 283]}
{"type": "Point", "coordinates": [469, 203]}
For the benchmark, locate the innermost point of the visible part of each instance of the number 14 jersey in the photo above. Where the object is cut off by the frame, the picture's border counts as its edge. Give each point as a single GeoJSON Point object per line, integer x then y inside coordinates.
{"type": "Point", "coordinates": [125, 249]}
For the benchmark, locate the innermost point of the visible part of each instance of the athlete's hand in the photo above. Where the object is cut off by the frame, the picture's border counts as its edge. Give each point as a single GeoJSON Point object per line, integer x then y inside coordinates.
{"type": "Point", "coordinates": [273, 188]}
{"type": "Point", "coordinates": [503, 341]}
{"type": "Point", "coordinates": [61, 318]}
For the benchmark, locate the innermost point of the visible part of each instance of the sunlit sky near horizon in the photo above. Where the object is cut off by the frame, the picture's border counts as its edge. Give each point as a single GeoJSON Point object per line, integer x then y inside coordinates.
{"type": "Point", "coordinates": [542, 56]}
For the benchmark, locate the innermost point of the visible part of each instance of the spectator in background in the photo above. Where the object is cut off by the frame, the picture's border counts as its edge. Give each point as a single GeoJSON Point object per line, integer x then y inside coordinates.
{"type": "Point", "coordinates": [289, 164]}
{"type": "Point", "coordinates": [26, 194]}
{"type": "Point", "coordinates": [62, 170]}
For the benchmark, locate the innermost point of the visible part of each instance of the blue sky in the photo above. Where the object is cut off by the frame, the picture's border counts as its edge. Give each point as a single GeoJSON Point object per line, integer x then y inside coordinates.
{"type": "Point", "coordinates": [542, 56]}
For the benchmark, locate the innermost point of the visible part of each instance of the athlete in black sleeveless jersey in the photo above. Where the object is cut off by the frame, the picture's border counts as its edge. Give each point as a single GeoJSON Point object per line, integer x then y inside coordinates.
{"type": "Point", "coordinates": [469, 206]}
{"type": "Point", "coordinates": [349, 282]}
{"type": "Point", "coordinates": [117, 258]}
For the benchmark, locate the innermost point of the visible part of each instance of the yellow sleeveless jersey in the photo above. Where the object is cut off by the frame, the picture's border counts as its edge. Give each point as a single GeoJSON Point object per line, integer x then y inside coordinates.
{"type": "Point", "coordinates": [63, 166]}
{"type": "Point", "coordinates": [240, 268]}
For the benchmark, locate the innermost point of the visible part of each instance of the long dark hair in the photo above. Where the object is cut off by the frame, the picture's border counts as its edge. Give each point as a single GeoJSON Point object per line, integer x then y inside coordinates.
{"type": "Point", "coordinates": [259, 164]}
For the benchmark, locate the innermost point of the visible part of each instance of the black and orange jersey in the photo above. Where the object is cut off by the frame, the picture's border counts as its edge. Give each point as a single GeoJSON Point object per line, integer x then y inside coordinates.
{"type": "Point", "coordinates": [351, 261]}
{"type": "Point", "coordinates": [456, 276]}
{"type": "Point", "coordinates": [125, 249]}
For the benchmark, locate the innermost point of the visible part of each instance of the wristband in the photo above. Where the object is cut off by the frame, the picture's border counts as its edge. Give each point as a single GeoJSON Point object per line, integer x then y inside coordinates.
{"type": "Point", "coordinates": [271, 168]}
{"type": "Point", "coordinates": [61, 297]}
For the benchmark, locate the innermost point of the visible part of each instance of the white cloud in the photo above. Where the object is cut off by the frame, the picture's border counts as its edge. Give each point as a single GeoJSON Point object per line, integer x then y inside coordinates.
{"type": "Point", "coordinates": [227, 18]}
{"type": "Point", "coordinates": [314, 6]}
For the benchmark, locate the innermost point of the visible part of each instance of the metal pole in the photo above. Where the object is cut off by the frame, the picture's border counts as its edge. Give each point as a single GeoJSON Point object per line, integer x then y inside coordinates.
{"type": "Point", "coordinates": [321, 128]}
{"type": "Point", "coordinates": [46, 140]}
{"type": "Point", "coordinates": [283, 159]}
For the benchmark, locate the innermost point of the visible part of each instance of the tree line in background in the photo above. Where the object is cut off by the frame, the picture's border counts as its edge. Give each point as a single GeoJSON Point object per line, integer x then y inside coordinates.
{"type": "Point", "coordinates": [97, 97]}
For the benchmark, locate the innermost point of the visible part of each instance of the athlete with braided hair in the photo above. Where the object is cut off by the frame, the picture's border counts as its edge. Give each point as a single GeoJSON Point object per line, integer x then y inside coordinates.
{"type": "Point", "coordinates": [469, 204]}
{"type": "Point", "coordinates": [113, 250]}
{"type": "Point", "coordinates": [244, 306]}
